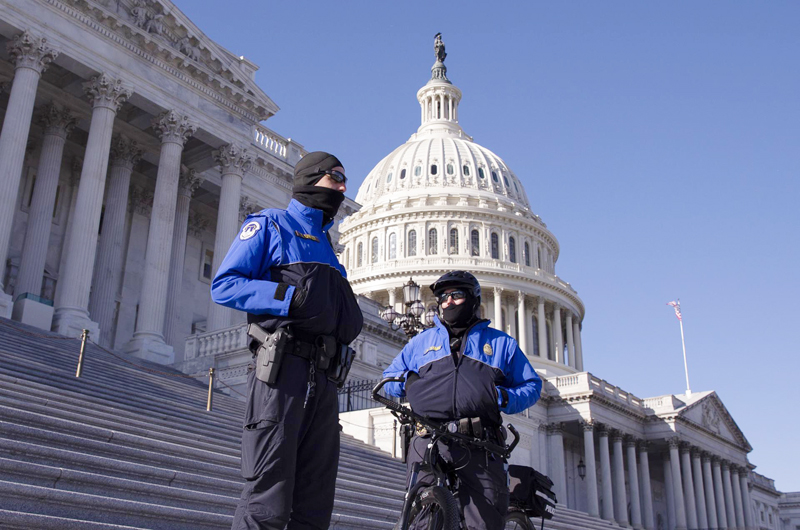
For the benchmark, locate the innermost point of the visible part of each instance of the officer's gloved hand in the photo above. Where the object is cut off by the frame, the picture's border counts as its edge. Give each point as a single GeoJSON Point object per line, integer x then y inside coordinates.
{"type": "Point", "coordinates": [298, 298]}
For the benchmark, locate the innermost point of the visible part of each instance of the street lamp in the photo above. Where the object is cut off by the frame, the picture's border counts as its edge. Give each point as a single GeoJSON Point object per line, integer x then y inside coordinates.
{"type": "Point", "coordinates": [415, 319]}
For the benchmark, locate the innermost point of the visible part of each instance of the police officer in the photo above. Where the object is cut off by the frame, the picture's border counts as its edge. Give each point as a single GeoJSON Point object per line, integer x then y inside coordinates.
{"type": "Point", "coordinates": [282, 271]}
{"type": "Point", "coordinates": [461, 369]}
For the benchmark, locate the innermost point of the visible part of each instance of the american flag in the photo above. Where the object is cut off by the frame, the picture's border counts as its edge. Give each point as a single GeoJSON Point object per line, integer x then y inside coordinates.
{"type": "Point", "coordinates": [677, 306]}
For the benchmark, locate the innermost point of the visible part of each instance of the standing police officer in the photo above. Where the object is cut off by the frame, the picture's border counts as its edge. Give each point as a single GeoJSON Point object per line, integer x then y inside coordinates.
{"type": "Point", "coordinates": [462, 370]}
{"type": "Point", "coordinates": [282, 271]}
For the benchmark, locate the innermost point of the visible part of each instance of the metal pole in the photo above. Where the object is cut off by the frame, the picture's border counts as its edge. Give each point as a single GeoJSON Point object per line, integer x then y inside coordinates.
{"type": "Point", "coordinates": [210, 388]}
{"type": "Point", "coordinates": [685, 366]}
{"type": "Point", "coordinates": [394, 439]}
{"type": "Point", "coordinates": [84, 337]}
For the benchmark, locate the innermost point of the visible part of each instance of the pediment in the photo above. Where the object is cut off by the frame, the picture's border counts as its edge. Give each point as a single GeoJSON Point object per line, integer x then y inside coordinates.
{"type": "Point", "coordinates": [709, 413]}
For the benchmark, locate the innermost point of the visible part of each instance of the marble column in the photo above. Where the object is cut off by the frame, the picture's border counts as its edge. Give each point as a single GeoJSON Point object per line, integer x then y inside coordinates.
{"type": "Point", "coordinates": [557, 468]}
{"type": "Point", "coordinates": [234, 163]}
{"type": "Point", "coordinates": [719, 494]}
{"type": "Point", "coordinates": [187, 185]}
{"type": "Point", "coordinates": [633, 482]}
{"type": "Point", "coordinates": [730, 511]}
{"type": "Point", "coordinates": [543, 450]}
{"type": "Point", "coordinates": [58, 123]}
{"type": "Point", "coordinates": [125, 154]}
{"type": "Point", "coordinates": [620, 499]}
{"type": "Point", "coordinates": [522, 325]}
{"type": "Point", "coordinates": [677, 490]}
{"type": "Point", "coordinates": [746, 501]}
{"type": "Point", "coordinates": [576, 333]}
{"type": "Point", "coordinates": [558, 335]}
{"type": "Point", "coordinates": [669, 488]}
{"type": "Point", "coordinates": [74, 179]}
{"type": "Point", "coordinates": [392, 297]}
{"type": "Point", "coordinates": [30, 56]}
{"type": "Point", "coordinates": [708, 483]}
{"type": "Point", "coordinates": [71, 308]}
{"type": "Point", "coordinates": [570, 340]}
{"type": "Point", "coordinates": [591, 469]}
{"type": "Point", "coordinates": [648, 519]}
{"type": "Point", "coordinates": [541, 322]}
{"type": "Point", "coordinates": [498, 308]}
{"type": "Point", "coordinates": [688, 487]}
{"type": "Point", "coordinates": [737, 497]}
{"type": "Point", "coordinates": [174, 129]}
{"type": "Point", "coordinates": [605, 473]}
{"type": "Point", "coordinates": [699, 494]}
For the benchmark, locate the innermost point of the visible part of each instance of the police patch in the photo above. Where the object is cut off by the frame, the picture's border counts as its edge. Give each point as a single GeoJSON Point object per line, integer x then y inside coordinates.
{"type": "Point", "coordinates": [249, 230]}
{"type": "Point", "coordinates": [432, 348]}
{"type": "Point", "coordinates": [487, 349]}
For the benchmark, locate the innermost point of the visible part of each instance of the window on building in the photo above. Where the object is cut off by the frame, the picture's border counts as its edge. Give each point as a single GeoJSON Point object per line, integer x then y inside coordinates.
{"type": "Point", "coordinates": [374, 253]}
{"type": "Point", "coordinates": [392, 246]}
{"type": "Point", "coordinates": [539, 257]}
{"type": "Point", "coordinates": [417, 171]}
{"type": "Point", "coordinates": [481, 174]}
{"type": "Point", "coordinates": [495, 247]}
{"type": "Point", "coordinates": [549, 341]}
{"type": "Point", "coordinates": [347, 258]}
{"type": "Point", "coordinates": [476, 243]}
{"type": "Point", "coordinates": [512, 249]}
{"type": "Point", "coordinates": [494, 177]}
{"type": "Point", "coordinates": [505, 181]}
{"type": "Point", "coordinates": [402, 174]}
{"type": "Point", "coordinates": [360, 255]}
{"type": "Point", "coordinates": [433, 241]}
{"type": "Point", "coordinates": [454, 241]}
{"type": "Point", "coordinates": [450, 169]}
{"type": "Point", "coordinates": [208, 259]}
{"type": "Point", "coordinates": [465, 169]}
{"type": "Point", "coordinates": [503, 318]}
{"type": "Point", "coordinates": [527, 254]}
{"type": "Point", "coordinates": [434, 169]}
{"type": "Point", "coordinates": [535, 325]}
{"type": "Point", "coordinates": [389, 178]}
{"type": "Point", "coordinates": [412, 243]}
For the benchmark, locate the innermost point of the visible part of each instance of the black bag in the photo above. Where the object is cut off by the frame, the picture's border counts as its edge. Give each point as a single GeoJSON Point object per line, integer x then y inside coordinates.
{"type": "Point", "coordinates": [532, 492]}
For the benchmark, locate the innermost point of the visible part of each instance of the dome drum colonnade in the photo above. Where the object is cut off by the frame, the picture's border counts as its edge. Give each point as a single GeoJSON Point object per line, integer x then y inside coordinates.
{"type": "Point", "coordinates": [126, 121]}
{"type": "Point", "coordinates": [442, 202]}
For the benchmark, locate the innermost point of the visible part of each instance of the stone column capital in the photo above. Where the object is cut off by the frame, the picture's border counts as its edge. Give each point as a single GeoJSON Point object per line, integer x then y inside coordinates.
{"type": "Point", "coordinates": [554, 428]}
{"type": "Point", "coordinates": [588, 425]}
{"type": "Point", "coordinates": [540, 300]}
{"type": "Point", "coordinates": [57, 120]}
{"type": "Point", "coordinates": [140, 200]}
{"type": "Point", "coordinates": [107, 92]}
{"type": "Point", "coordinates": [674, 442]}
{"type": "Point", "coordinates": [685, 448]}
{"type": "Point", "coordinates": [617, 435]}
{"type": "Point", "coordinates": [696, 452]}
{"type": "Point", "coordinates": [543, 427]}
{"type": "Point", "coordinates": [124, 152]}
{"type": "Point", "coordinates": [498, 291]}
{"type": "Point", "coordinates": [602, 430]}
{"type": "Point", "coordinates": [643, 446]}
{"type": "Point", "coordinates": [246, 207]}
{"type": "Point", "coordinates": [75, 171]}
{"type": "Point", "coordinates": [631, 441]}
{"type": "Point", "coordinates": [172, 127]}
{"type": "Point", "coordinates": [27, 51]}
{"type": "Point", "coordinates": [232, 159]}
{"type": "Point", "coordinates": [725, 464]}
{"type": "Point", "coordinates": [189, 181]}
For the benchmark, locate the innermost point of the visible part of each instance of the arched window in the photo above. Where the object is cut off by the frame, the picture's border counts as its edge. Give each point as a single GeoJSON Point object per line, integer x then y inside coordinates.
{"type": "Point", "coordinates": [402, 174]}
{"type": "Point", "coordinates": [539, 258]}
{"type": "Point", "coordinates": [495, 247]}
{"type": "Point", "coordinates": [527, 254]}
{"type": "Point", "coordinates": [494, 177]}
{"type": "Point", "coordinates": [417, 171]}
{"type": "Point", "coordinates": [505, 181]}
{"type": "Point", "coordinates": [450, 169]}
{"type": "Point", "coordinates": [549, 341]}
{"type": "Point", "coordinates": [389, 178]}
{"type": "Point", "coordinates": [535, 338]}
{"type": "Point", "coordinates": [360, 255]}
{"type": "Point", "coordinates": [392, 246]}
{"type": "Point", "coordinates": [434, 169]}
{"type": "Point", "coordinates": [412, 243]}
{"type": "Point", "coordinates": [433, 241]}
{"type": "Point", "coordinates": [512, 249]}
{"type": "Point", "coordinates": [476, 243]}
{"type": "Point", "coordinates": [465, 169]}
{"type": "Point", "coordinates": [374, 250]}
{"type": "Point", "coordinates": [454, 241]}
{"type": "Point", "coordinates": [481, 174]}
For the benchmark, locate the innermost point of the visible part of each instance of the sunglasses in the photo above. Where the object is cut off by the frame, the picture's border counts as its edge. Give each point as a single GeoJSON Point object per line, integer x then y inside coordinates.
{"type": "Point", "coordinates": [453, 295]}
{"type": "Point", "coordinates": [337, 176]}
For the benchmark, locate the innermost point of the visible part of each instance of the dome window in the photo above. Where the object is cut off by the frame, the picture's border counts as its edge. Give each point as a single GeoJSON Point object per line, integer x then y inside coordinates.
{"type": "Point", "coordinates": [374, 250]}
{"type": "Point", "coordinates": [412, 243]}
{"type": "Point", "coordinates": [481, 174]}
{"type": "Point", "coordinates": [495, 247]}
{"type": "Point", "coordinates": [450, 169]}
{"type": "Point", "coordinates": [494, 177]}
{"type": "Point", "coordinates": [360, 255]}
{"type": "Point", "coordinates": [434, 169]}
{"type": "Point", "coordinates": [393, 246]}
{"type": "Point", "coordinates": [527, 254]}
{"type": "Point", "coordinates": [388, 178]}
{"type": "Point", "coordinates": [476, 243]}
{"type": "Point", "coordinates": [433, 241]}
{"type": "Point", "coordinates": [417, 171]}
{"type": "Point", "coordinates": [505, 179]}
{"type": "Point", "coordinates": [454, 241]}
{"type": "Point", "coordinates": [369, 186]}
{"type": "Point", "coordinates": [465, 169]}
{"type": "Point", "coordinates": [512, 249]}
{"type": "Point", "coordinates": [403, 174]}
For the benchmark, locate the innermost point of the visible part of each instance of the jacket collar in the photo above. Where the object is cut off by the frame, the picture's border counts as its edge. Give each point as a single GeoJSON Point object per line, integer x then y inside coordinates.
{"type": "Point", "coordinates": [310, 217]}
{"type": "Point", "coordinates": [478, 326]}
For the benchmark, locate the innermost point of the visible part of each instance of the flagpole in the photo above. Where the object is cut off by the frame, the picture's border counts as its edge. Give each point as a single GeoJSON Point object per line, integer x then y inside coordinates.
{"type": "Point", "coordinates": [685, 365]}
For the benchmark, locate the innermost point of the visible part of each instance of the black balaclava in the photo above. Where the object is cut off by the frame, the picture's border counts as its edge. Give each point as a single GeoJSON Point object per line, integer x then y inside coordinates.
{"type": "Point", "coordinates": [308, 171]}
{"type": "Point", "coordinates": [458, 318]}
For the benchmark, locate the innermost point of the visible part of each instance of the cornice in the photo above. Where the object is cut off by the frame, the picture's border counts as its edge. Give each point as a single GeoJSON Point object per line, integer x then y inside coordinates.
{"type": "Point", "coordinates": [384, 332]}
{"type": "Point", "coordinates": [591, 397]}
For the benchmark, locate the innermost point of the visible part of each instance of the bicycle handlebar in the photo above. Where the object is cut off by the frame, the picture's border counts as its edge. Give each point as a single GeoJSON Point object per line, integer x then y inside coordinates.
{"type": "Point", "coordinates": [440, 429]}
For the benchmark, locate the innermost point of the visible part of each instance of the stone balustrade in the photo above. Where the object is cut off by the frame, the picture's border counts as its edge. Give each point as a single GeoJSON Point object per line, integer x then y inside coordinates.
{"type": "Point", "coordinates": [217, 342]}
{"type": "Point", "coordinates": [271, 142]}
{"type": "Point", "coordinates": [584, 382]}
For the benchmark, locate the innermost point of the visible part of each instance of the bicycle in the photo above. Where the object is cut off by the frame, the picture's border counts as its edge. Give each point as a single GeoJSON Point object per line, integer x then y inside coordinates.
{"type": "Point", "coordinates": [437, 501]}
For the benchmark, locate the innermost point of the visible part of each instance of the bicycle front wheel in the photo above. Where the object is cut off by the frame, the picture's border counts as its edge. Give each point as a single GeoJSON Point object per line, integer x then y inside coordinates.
{"type": "Point", "coordinates": [517, 520]}
{"type": "Point", "coordinates": [435, 508]}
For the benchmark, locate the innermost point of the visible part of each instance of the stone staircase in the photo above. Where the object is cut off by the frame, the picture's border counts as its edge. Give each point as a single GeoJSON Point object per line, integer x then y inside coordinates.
{"type": "Point", "coordinates": [125, 446]}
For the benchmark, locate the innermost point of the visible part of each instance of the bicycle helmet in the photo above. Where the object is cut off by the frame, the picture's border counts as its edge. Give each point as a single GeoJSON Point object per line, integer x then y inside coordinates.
{"type": "Point", "coordinates": [460, 279]}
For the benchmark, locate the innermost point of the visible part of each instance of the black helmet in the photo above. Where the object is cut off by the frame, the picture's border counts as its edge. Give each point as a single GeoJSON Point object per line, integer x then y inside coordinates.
{"type": "Point", "coordinates": [461, 279]}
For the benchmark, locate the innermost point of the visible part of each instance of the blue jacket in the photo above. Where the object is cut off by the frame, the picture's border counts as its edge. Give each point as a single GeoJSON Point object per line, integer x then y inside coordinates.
{"type": "Point", "coordinates": [276, 251]}
{"type": "Point", "coordinates": [491, 362]}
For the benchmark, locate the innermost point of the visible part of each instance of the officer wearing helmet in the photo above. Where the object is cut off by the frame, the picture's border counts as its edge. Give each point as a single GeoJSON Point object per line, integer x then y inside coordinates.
{"type": "Point", "coordinates": [463, 370]}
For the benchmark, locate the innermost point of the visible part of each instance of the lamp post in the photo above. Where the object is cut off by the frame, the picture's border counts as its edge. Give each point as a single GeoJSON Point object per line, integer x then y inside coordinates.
{"type": "Point", "coordinates": [413, 321]}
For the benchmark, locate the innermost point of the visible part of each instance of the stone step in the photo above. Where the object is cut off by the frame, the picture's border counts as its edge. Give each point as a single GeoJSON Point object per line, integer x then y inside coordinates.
{"type": "Point", "coordinates": [27, 521]}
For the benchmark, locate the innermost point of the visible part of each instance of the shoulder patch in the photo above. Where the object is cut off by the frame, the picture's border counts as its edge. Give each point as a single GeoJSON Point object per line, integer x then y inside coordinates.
{"type": "Point", "coordinates": [487, 349]}
{"type": "Point", "coordinates": [249, 230]}
{"type": "Point", "coordinates": [432, 348]}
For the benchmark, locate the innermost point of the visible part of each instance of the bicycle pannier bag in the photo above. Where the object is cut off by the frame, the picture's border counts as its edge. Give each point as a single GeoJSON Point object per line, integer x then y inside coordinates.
{"type": "Point", "coordinates": [532, 491]}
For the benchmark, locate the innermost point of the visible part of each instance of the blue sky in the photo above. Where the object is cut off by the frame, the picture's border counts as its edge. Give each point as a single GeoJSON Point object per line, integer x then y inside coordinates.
{"type": "Point", "coordinates": [660, 142]}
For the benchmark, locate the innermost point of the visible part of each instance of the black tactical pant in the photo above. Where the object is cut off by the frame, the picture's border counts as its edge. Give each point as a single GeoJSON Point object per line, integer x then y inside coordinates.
{"type": "Point", "coordinates": [483, 483]}
{"type": "Point", "coordinates": [290, 454]}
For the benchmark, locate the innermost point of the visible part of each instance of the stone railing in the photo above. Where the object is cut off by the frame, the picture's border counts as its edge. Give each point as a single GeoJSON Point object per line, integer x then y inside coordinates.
{"type": "Point", "coordinates": [224, 340]}
{"type": "Point", "coordinates": [585, 382]}
{"type": "Point", "coordinates": [271, 142]}
{"type": "Point", "coordinates": [762, 481]}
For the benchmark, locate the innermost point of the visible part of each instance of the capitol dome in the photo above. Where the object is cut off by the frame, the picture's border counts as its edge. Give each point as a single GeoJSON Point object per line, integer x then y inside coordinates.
{"type": "Point", "coordinates": [441, 202]}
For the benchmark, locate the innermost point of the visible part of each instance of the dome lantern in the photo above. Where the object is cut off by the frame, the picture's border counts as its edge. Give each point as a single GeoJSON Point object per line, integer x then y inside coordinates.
{"type": "Point", "coordinates": [439, 98]}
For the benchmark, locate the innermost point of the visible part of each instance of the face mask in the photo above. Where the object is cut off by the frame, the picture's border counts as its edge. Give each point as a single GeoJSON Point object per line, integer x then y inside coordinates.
{"type": "Point", "coordinates": [319, 198]}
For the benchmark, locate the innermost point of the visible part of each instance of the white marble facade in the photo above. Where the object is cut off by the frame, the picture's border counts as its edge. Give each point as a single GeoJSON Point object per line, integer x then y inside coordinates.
{"type": "Point", "coordinates": [132, 147]}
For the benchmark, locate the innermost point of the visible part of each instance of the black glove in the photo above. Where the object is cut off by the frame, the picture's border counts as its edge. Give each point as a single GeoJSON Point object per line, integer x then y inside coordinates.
{"type": "Point", "coordinates": [298, 299]}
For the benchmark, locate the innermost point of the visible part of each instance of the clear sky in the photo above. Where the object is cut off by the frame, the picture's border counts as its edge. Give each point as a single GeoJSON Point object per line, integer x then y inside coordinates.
{"type": "Point", "coordinates": [660, 142]}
